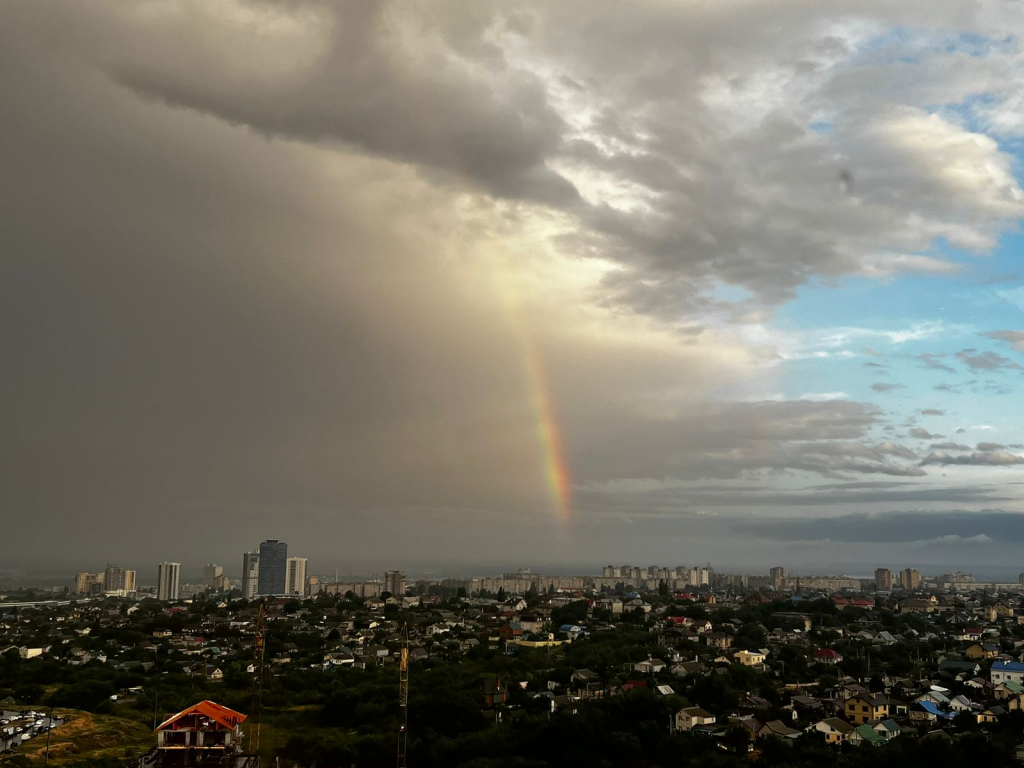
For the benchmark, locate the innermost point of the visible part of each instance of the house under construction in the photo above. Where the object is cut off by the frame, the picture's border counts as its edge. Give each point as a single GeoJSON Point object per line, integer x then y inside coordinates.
{"type": "Point", "coordinates": [206, 733]}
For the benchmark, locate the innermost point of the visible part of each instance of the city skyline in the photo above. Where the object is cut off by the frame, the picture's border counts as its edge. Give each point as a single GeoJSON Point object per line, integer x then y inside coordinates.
{"type": "Point", "coordinates": [421, 287]}
{"type": "Point", "coordinates": [299, 581]}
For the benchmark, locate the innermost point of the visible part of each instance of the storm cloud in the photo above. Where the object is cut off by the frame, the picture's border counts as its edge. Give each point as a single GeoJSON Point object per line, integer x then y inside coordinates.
{"type": "Point", "coordinates": [342, 273]}
{"type": "Point", "coordinates": [899, 527]}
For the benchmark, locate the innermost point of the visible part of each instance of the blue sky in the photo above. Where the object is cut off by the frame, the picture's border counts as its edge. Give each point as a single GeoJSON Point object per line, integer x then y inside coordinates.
{"type": "Point", "coordinates": [949, 312]}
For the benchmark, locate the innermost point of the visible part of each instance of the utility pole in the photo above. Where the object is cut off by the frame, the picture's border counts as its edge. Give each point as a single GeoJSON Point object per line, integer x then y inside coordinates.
{"type": "Point", "coordinates": [49, 728]}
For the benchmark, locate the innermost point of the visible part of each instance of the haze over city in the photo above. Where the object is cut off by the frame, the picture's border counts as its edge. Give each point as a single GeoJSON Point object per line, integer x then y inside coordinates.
{"type": "Point", "coordinates": [468, 287]}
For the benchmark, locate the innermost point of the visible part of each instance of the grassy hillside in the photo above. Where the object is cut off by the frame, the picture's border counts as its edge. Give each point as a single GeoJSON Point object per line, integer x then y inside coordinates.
{"type": "Point", "coordinates": [84, 737]}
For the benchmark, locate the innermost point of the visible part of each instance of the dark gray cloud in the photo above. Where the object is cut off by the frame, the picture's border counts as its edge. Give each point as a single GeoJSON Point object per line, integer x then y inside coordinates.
{"type": "Point", "coordinates": [986, 447]}
{"type": "Point", "coordinates": [986, 361]}
{"type": "Point", "coordinates": [924, 434]}
{"type": "Point", "coordinates": [864, 528]}
{"type": "Point", "coordinates": [469, 95]}
{"type": "Point", "coordinates": [949, 447]}
{"type": "Point", "coordinates": [882, 387]}
{"type": "Point", "coordinates": [1014, 338]}
{"type": "Point", "coordinates": [935, 362]}
{"type": "Point", "coordinates": [957, 388]}
{"type": "Point", "coordinates": [978, 459]}
{"type": "Point", "coordinates": [932, 412]}
{"type": "Point", "coordinates": [866, 493]}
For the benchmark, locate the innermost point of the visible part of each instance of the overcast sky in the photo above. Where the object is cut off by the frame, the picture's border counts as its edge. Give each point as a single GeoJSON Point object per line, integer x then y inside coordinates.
{"type": "Point", "coordinates": [481, 283]}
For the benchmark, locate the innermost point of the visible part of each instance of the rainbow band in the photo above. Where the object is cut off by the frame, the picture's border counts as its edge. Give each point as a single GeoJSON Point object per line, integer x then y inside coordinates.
{"type": "Point", "coordinates": [549, 434]}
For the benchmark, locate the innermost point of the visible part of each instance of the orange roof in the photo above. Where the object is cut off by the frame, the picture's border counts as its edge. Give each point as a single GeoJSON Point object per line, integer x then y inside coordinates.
{"type": "Point", "coordinates": [216, 712]}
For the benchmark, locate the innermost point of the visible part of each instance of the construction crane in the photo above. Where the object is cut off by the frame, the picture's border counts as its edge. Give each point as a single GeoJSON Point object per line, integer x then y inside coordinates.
{"type": "Point", "coordinates": [258, 648]}
{"type": "Point", "coordinates": [403, 699]}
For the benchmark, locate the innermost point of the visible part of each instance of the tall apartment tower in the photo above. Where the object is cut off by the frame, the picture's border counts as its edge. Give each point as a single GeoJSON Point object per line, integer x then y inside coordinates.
{"type": "Point", "coordinates": [89, 583]}
{"type": "Point", "coordinates": [394, 582]}
{"type": "Point", "coordinates": [113, 578]}
{"type": "Point", "coordinates": [168, 581]}
{"type": "Point", "coordinates": [910, 579]}
{"type": "Point", "coordinates": [883, 580]}
{"type": "Point", "coordinates": [211, 575]}
{"type": "Point", "coordinates": [777, 576]}
{"type": "Point", "coordinates": [273, 567]}
{"type": "Point", "coordinates": [295, 584]}
{"type": "Point", "coordinates": [129, 580]}
{"type": "Point", "coordinates": [250, 574]}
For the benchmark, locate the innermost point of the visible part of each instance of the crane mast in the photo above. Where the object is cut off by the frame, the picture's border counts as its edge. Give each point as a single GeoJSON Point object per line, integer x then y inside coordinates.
{"type": "Point", "coordinates": [258, 648]}
{"type": "Point", "coordinates": [403, 699]}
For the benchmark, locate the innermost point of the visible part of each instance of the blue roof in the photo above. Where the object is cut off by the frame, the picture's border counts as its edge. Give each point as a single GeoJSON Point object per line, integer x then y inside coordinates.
{"type": "Point", "coordinates": [1007, 666]}
{"type": "Point", "coordinates": [933, 708]}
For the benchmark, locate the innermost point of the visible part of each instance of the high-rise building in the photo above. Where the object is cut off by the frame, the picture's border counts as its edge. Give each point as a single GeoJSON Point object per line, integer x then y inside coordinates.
{"type": "Point", "coordinates": [168, 581]}
{"type": "Point", "coordinates": [250, 574]}
{"type": "Point", "coordinates": [212, 574]}
{"type": "Point", "coordinates": [273, 567]}
{"type": "Point", "coordinates": [295, 583]}
{"type": "Point", "coordinates": [394, 582]}
{"type": "Point", "coordinates": [883, 580]}
{"type": "Point", "coordinates": [113, 578]}
{"type": "Point", "coordinates": [698, 577]}
{"type": "Point", "coordinates": [129, 581]}
{"type": "Point", "coordinates": [777, 576]}
{"type": "Point", "coordinates": [89, 583]}
{"type": "Point", "coordinates": [910, 579]}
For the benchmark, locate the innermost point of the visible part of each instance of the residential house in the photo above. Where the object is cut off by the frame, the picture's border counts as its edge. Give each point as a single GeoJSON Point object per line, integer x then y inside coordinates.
{"type": "Point", "coordinates": [1003, 671]}
{"type": "Point", "coordinates": [511, 631]}
{"type": "Point", "coordinates": [890, 729]}
{"type": "Point", "coordinates": [865, 734]}
{"type": "Point", "coordinates": [914, 605]}
{"type": "Point", "coordinates": [1007, 690]}
{"type": "Point", "coordinates": [827, 656]}
{"type": "Point", "coordinates": [866, 707]}
{"type": "Point", "coordinates": [750, 658]}
{"type": "Point", "coordinates": [957, 668]}
{"type": "Point", "coordinates": [649, 666]}
{"type": "Point", "coordinates": [930, 712]}
{"type": "Point", "coordinates": [836, 731]}
{"type": "Point", "coordinates": [718, 640]}
{"type": "Point", "coordinates": [982, 651]}
{"type": "Point", "coordinates": [691, 716]}
{"type": "Point", "coordinates": [991, 714]}
{"type": "Point", "coordinates": [778, 729]}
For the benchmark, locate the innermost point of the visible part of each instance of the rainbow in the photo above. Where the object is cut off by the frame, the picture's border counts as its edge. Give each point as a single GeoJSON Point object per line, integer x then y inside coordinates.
{"type": "Point", "coordinates": [549, 433]}
{"type": "Point", "coordinates": [555, 468]}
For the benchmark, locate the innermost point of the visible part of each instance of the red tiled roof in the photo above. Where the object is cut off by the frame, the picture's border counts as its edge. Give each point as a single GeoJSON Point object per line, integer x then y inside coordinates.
{"type": "Point", "coordinates": [216, 712]}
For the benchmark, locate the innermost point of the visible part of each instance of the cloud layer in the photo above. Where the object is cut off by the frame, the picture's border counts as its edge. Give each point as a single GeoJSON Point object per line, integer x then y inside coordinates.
{"type": "Point", "coordinates": [325, 271]}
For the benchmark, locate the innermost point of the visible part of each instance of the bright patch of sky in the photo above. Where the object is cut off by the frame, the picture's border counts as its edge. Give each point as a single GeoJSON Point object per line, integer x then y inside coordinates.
{"type": "Point", "coordinates": [906, 344]}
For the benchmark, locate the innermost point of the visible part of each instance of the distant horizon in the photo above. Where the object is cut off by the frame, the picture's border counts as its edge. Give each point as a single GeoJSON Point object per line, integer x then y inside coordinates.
{"type": "Point", "coordinates": [192, 574]}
